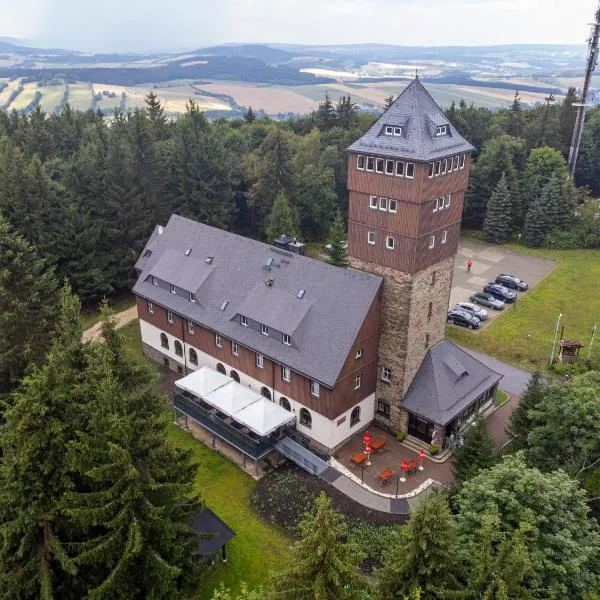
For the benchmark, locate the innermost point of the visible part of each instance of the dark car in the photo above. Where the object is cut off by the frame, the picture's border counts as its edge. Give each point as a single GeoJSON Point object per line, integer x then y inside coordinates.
{"type": "Point", "coordinates": [500, 292]}
{"type": "Point", "coordinates": [512, 282]}
{"type": "Point", "coordinates": [487, 300]}
{"type": "Point", "coordinates": [472, 309]}
{"type": "Point", "coordinates": [462, 317]}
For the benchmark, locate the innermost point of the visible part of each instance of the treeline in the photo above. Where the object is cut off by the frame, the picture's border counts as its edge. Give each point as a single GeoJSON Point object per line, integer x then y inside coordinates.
{"type": "Point", "coordinates": [519, 185]}
{"type": "Point", "coordinates": [87, 195]}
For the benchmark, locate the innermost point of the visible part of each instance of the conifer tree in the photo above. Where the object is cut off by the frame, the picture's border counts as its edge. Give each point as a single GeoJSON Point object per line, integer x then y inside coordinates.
{"type": "Point", "coordinates": [324, 565]}
{"type": "Point", "coordinates": [498, 215]}
{"type": "Point", "coordinates": [281, 219]}
{"type": "Point", "coordinates": [515, 122]}
{"type": "Point", "coordinates": [476, 453]}
{"type": "Point", "coordinates": [337, 238]}
{"type": "Point", "coordinates": [546, 213]}
{"type": "Point", "coordinates": [566, 119]}
{"type": "Point", "coordinates": [325, 116]}
{"type": "Point", "coordinates": [249, 115]}
{"type": "Point", "coordinates": [520, 420]}
{"type": "Point", "coordinates": [346, 112]}
{"type": "Point", "coordinates": [47, 411]}
{"type": "Point", "coordinates": [28, 307]}
{"type": "Point", "coordinates": [156, 113]}
{"type": "Point", "coordinates": [424, 556]}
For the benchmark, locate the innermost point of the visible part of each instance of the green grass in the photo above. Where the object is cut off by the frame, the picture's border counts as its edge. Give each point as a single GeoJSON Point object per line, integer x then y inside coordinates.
{"type": "Point", "coordinates": [90, 315]}
{"type": "Point", "coordinates": [500, 397]}
{"type": "Point", "coordinates": [523, 333]}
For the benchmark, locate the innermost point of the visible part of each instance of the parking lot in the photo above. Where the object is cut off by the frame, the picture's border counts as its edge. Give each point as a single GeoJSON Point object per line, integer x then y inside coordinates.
{"type": "Point", "coordinates": [488, 262]}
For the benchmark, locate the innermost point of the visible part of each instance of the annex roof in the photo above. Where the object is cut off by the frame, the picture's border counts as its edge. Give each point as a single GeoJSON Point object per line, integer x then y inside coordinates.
{"type": "Point", "coordinates": [323, 322]}
{"type": "Point", "coordinates": [418, 114]}
{"type": "Point", "coordinates": [447, 382]}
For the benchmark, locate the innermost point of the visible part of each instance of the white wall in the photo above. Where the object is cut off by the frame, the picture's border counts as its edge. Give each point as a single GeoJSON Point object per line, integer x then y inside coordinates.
{"type": "Point", "coordinates": [325, 431]}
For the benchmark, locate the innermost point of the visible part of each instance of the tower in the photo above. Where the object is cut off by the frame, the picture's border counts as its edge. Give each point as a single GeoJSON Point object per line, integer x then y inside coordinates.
{"type": "Point", "coordinates": [407, 176]}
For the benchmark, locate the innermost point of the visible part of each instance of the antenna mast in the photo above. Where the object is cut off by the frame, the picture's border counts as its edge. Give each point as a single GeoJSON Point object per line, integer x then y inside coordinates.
{"type": "Point", "coordinates": [592, 59]}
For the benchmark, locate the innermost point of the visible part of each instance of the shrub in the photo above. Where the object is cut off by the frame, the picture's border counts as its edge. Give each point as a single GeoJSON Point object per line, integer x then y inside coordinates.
{"type": "Point", "coordinates": [400, 435]}
{"type": "Point", "coordinates": [433, 449]}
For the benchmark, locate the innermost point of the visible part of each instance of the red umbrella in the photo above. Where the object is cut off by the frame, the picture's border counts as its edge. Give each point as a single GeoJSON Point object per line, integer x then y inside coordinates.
{"type": "Point", "coordinates": [367, 438]}
{"type": "Point", "coordinates": [368, 449]}
{"type": "Point", "coordinates": [421, 454]}
{"type": "Point", "coordinates": [404, 466]}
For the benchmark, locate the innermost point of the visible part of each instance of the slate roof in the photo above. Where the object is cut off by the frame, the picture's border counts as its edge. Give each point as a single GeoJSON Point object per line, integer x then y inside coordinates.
{"type": "Point", "coordinates": [418, 114]}
{"type": "Point", "coordinates": [213, 533]}
{"type": "Point", "coordinates": [447, 382]}
{"type": "Point", "coordinates": [323, 324]}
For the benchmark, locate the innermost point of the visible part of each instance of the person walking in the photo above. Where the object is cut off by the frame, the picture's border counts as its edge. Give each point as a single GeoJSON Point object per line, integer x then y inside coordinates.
{"type": "Point", "coordinates": [469, 265]}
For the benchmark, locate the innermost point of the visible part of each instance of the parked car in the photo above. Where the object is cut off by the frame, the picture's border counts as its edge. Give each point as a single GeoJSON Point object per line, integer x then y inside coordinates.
{"type": "Point", "coordinates": [500, 292]}
{"type": "Point", "coordinates": [512, 281]}
{"type": "Point", "coordinates": [487, 300]}
{"type": "Point", "coordinates": [472, 309]}
{"type": "Point", "coordinates": [462, 317]}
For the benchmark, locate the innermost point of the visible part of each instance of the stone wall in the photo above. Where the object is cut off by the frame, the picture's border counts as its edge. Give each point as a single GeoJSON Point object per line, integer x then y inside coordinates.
{"type": "Point", "coordinates": [406, 322]}
{"type": "Point", "coordinates": [159, 357]}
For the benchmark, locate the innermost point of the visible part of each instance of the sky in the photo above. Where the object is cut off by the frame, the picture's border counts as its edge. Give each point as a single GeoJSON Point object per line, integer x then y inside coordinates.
{"type": "Point", "coordinates": [173, 25]}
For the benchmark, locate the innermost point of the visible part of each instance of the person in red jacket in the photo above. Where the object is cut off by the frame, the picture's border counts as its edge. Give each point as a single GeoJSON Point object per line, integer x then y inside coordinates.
{"type": "Point", "coordinates": [469, 265]}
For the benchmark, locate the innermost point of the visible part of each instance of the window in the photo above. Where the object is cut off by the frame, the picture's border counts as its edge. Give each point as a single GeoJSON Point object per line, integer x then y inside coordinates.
{"type": "Point", "coordinates": [397, 130]}
{"type": "Point", "coordinates": [285, 373]}
{"type": "Point", "coordinates": [383, 408]}
{"type": "Point", "coordinates": [370, 163]}
{"type": "Point", "coordinates": [305, 418]}
{"type": "Point", "coordinates": [355, 416]}
{"type": "Point", "coordinates": [379, 165]}
{"type": "Point", "coordinates": [286, 339]}
{"type": "Point", "coordinates": [426, 340]}
{"type": "Point", "coordinates": [170, 316]}
{"type": "Point", "coordinates": [444, 236]}
{"type": "Point", "coordinates": [173, 290]}
{"type": "Point", "coordinates": [447, 201]}
{"type": "Point", "coordinates": [264, 330]}
{"type": "Point", "coordinates": [389, 242]}
{"type": "Point", "coordinates": [431, 241]}
{"type": "Point", "coordinates": [430, 310]}
{"type": "Point", "coordinates": [190, 326]}
{"type": "Point", "coordinates": [441, 130]}
{"type": "Point", "coordinates": [444, 166]}
{"type": "Point", "coordinates": [462, 162]}
{"type": "Point", "coordinates": [285, 403]}
{"type": "Point", "coordinates": [455, 163]}
{"type": "Point", "coordinates": [386, 374]}
{"type": "Point", "coordinates": [315, 388]}
{"type": "Point", "coordinates": [360, 163]}
{"type": "Point", "coordinates": [243, 320]}
{"type": "Point", "coordinates": [389, 167]}
{"type": "Point", "coordinates": [164, 341]}
{"type": "Point", "coordinates": [193, 356]}
{"type": "Point", "coordinates": [435, 205]}
{"type": "Point", "coordinates": [393, 205]}
{"type": "Point", "coordinates": [383, 203]}
{"type": "Point", "coordinates": [373, 202]}
{"type": "Point", "coordinates": [234, 375]}
{"type": "Point", "coordinates": [371, 238]}
{"type": "Point", "coordinates": [410, 170]}
{"type": "Point", "coordinates": [438, 167]}
{"type": "Point", "coordinates": [357, 382]}
{"type": "Point", "coordinates": [218, 341]}
{"type": "Point", "coordinates": [154, 280]}
{"type": "Point", "coordinates": [389, 130]}
{"type": "Point", "coordinates": [192, 297]}
{"type": "Point", "coordinates": [178, 348]}
{"type": "Point", "coordinates": [431, 170]}
{"type": "Point", "coordinates": [400, 168]}
{"type": "Point", "coordinates": [359, 354]}
{"type": "Point", "coordinates": [150, 307]}
{"type": "Point", "coordinates": [221, 369]}
{"type": "Point", "coordinates": [234, 348]}
{"type": "Point", "coordinates": [259, 361]}
{"type": "Point", "coordinates": [265, 392]}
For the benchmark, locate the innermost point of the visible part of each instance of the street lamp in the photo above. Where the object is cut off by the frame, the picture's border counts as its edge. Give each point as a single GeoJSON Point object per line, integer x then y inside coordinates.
{"type": "Point", "coordinates": [556, 326]}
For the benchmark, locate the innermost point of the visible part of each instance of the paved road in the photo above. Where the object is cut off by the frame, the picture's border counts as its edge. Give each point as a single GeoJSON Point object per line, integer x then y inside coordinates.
{"type": "Point", "coordinates": [514, 381]}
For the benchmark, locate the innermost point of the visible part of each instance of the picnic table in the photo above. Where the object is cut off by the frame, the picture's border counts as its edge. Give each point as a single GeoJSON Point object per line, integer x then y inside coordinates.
{"type": "Point", "coordinates": [412, 467]}
{"type": "Point", "coordinates": [385, 476]}
{"type": "Point", "coordinates": [359, 458]}
{"type": "Point", "coordinates": [377, 444]}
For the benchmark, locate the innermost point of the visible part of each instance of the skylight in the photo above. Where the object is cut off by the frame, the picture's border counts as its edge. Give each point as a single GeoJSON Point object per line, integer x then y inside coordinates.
{"type": "Point", "coordinates": [188, 251]}
{"type": "Point", "coordinates": [269, 262]}
{"type": "Point", "coordinates": [301, 294]}
{"type": "Point", "coordinates": [224, 305]}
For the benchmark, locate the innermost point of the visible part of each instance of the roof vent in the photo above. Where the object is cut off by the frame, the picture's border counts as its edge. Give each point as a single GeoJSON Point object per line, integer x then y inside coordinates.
{"type": "Point", "coordinates": [160, 230]}
{"type": "Point", "coordinates": [224, 305]}
{"type": "Point", "coordinates": [301, 294]}
{"type": "Point", "coordinates": [269, 282]}
{"type": "Point", "coordinates": [269, 263]}
{"type": "Point", "coordinates": [209, 260]}
{"type": "Point", "coordinates": [147, 253]}
{"type": "Point", "coordinates": [188, 251]}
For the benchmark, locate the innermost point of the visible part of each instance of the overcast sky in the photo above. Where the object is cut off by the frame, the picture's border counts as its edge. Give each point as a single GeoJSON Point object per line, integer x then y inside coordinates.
{"type": "Point", "coordinates": [167, 25]}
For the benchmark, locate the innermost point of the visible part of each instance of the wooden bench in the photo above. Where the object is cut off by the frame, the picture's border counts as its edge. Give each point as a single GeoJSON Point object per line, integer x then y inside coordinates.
{"type": "Point", "coordinates": [385, 476]}
{"type": "Point", "coordinates": [377, 444]}
{"type": "Point", "coordinates": [359, 458]}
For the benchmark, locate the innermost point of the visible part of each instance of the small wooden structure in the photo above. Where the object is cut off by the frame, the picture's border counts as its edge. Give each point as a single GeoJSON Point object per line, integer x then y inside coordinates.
{"type": "Point", "coordinates": [569, 350]}
{"type": "Point", "coordinates": [213, 535]}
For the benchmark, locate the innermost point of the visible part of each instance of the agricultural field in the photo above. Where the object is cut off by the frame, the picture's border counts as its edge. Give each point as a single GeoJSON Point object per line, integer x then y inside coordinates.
{"type": "Point", "coordinates": [51, 97]}
{"type": "Point", "coordinates": [25, 97]}
{"type": "Point", "coordinates": [12, 86]}
{"type": "Point", "coordinates": [177, 94]}
{"type": "Point", "coordinates": [80, 96]}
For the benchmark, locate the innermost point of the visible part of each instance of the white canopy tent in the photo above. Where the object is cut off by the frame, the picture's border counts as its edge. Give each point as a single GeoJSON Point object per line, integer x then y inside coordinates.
{"type": "Point", "coordinates": [203, 381]}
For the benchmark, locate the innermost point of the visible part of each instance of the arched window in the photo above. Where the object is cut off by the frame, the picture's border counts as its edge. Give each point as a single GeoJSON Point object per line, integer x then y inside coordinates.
{"type": "Point", "coordinates": [164, 340]}
{"type": "Point", "coordinates": [178, 348]}
{"type": "Point", "coordinates": [305, 418]}
{"type": "Point", "coordinates": [193, 356]}
{"type": "Point", "coordinates": [221, 369]}
{"type": "Point", "coordinates": [266, 393]}
{"type": "Point", "coordinates": [355, 416]}
{"type": "Point", "coordinates": [285, 403]}
{"type": "Point", "coordinates": [234, 375]}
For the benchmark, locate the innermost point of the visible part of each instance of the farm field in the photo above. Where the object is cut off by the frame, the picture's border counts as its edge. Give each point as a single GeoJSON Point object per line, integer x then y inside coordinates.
{"type": "Point", "coordinates": [51, 97]}
{"type": "Point", "coordinates": [80, 96]}
{"type": "Point", "coordinates": [12, 85]}
{"type": "Point", "coordinates": [175, 97]}
{"type": "Point", "coordinates": [25, 97]}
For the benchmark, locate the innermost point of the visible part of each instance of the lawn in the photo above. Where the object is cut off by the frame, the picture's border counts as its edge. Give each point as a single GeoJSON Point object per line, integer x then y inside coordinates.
{"type": "Point", "coordinates": [523, 334]}
{"type": "Point", "coordinates": [90, 315]}
{"type": "Point", "coordinates": [500, 397]}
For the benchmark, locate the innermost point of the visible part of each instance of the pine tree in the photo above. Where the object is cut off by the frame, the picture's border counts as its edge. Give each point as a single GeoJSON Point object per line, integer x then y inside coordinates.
{"type": "Point", "coordinates": [515, 122]}
{"type": "Point", "coordinates": [498, 216]}
{"type": "Point", "coordinates": [424, 556]}
{"type": "Point", "coordinates": [346, 112]}
{"type": "Point", "coordinates": [28, 307]}
{"type": "Point", "coordinates": [47, 412]}
{"type": "Point", "coordinates": [249, 115]}
{"type": "Point", "coordinates": [281, 219]}
{"type": "Point", "coordinates": [520, 421]}
{"type": "Point", "coordinates": [325, 116]}
{"type": "Point", "coordinates": [546, 213]}
{"type": "Point", "coordinates": [337, 238]}
{"type": "Point", "coordinates": [324, 566]}
{"type": "Point", "coordinates": [566, 118]}
{"type": "Point", "coordinates": [475, 454]}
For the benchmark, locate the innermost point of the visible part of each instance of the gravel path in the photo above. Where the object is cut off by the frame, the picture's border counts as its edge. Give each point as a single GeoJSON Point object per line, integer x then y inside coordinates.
{"type": "Point", "coordinates": [122, 318]}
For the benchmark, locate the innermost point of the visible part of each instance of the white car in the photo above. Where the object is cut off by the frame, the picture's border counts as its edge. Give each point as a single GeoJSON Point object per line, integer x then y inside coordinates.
{"type": "Point", "coordinates": [473, 309]}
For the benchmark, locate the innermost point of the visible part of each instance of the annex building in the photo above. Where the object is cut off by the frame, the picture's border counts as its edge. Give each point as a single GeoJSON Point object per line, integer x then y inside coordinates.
{"type": "Point", "coordinates": [269, 342]}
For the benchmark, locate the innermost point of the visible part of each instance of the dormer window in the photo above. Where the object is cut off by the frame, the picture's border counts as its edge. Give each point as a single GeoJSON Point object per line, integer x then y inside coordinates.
{"type": "Point", "coordinates": [397, 131]}
{"type": "Point", "coordinates": [389, 130]}
{"type": "Point", "coordinates": [264, 330]}
{"type": "Point", "coordinates": [243, 320]}
{"type": "Point", "coordinates": [286, 339]}
{"type": "Point", "coordinates": [173, 290]}
{"type": "Point", "coordinates": [192, 297]}
{"type": "Point", "coordinates": [154, 280]}
{"type": "Point", "coordinates": [441, 130]}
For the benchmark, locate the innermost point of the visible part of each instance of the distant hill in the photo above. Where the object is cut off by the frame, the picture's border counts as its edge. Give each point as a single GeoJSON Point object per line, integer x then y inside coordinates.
{"type": "Point", "coordinates": [264, 52]}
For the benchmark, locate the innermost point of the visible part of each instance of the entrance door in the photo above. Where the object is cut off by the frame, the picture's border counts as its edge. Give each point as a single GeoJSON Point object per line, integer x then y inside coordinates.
{"type": "Point", "coordinates": [420, 428]}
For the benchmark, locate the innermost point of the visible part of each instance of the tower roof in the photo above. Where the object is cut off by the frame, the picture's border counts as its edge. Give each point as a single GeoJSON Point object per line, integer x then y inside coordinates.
{"type": "Point", "coordinates": [411, 128]}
